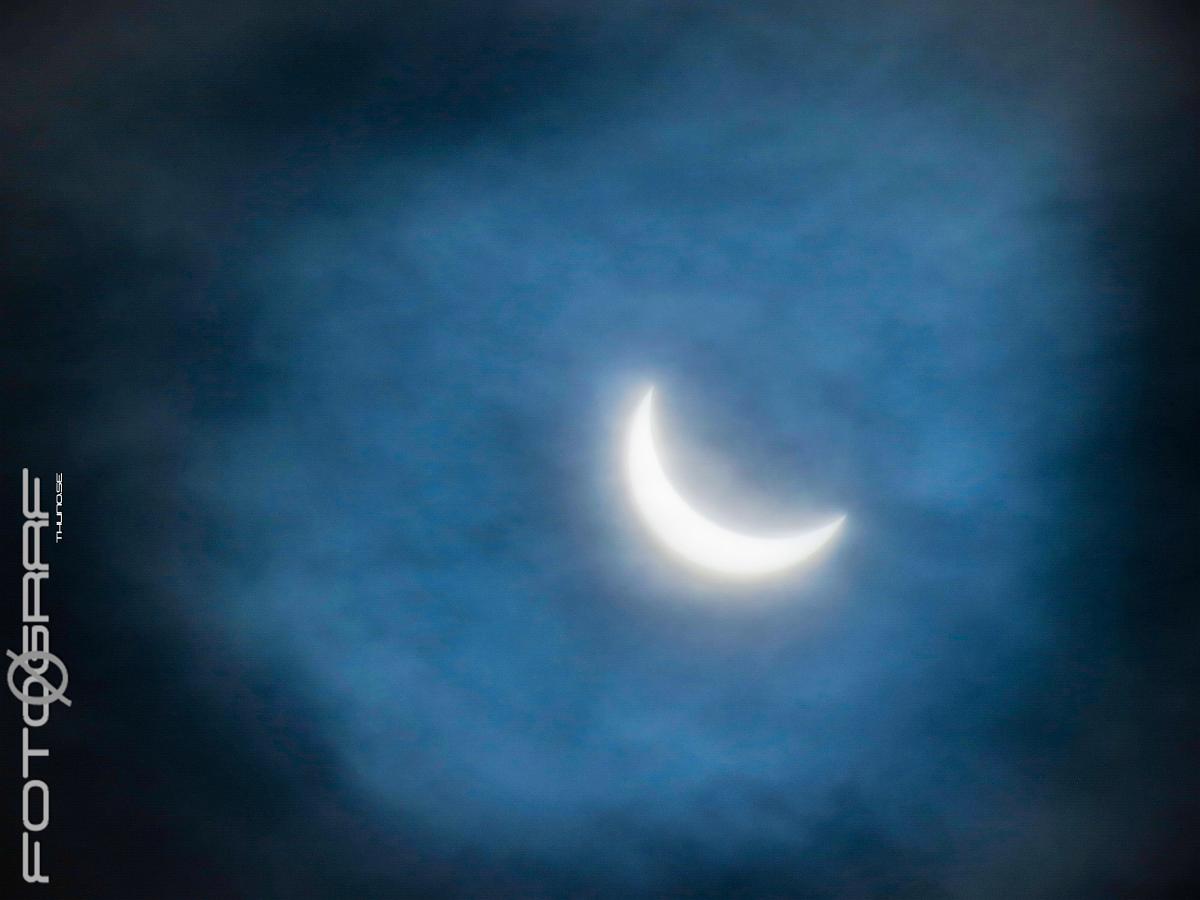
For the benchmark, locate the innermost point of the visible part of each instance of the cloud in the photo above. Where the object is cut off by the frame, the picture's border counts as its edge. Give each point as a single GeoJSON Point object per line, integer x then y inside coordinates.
{"type": "Point", "coordinates": [374, 295]}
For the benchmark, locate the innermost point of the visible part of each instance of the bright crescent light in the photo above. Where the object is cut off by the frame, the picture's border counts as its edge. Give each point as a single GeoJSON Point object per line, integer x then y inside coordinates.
{"type": "Point", "coordinates": [690, 534]}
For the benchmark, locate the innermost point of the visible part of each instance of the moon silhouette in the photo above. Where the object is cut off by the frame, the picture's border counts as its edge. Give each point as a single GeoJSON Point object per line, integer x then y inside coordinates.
{"type": "Point", "coordinates": [692, 536]}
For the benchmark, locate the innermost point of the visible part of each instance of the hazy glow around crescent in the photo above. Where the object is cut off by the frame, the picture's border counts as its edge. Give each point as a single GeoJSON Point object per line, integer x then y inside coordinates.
{"type": "Point", "coordinates": [693, 536]}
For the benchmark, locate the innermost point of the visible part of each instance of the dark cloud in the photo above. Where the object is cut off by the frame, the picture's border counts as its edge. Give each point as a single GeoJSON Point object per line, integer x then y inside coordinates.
{"type": "Point", "coordinates": [331, 321]}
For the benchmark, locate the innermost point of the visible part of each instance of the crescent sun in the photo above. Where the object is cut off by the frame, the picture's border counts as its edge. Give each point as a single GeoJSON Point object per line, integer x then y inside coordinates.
{"type": "Point", "coordinates": [692, 536]}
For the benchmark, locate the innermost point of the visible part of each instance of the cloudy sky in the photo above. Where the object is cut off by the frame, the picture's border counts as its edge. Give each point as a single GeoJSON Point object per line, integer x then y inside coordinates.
{"type": "Point", "coordinates": [332, 320]}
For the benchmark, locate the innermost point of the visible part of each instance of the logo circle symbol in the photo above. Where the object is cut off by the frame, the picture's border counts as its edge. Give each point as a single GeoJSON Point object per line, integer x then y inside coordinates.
{"type": "Point", "coordinates": [50, 693]}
